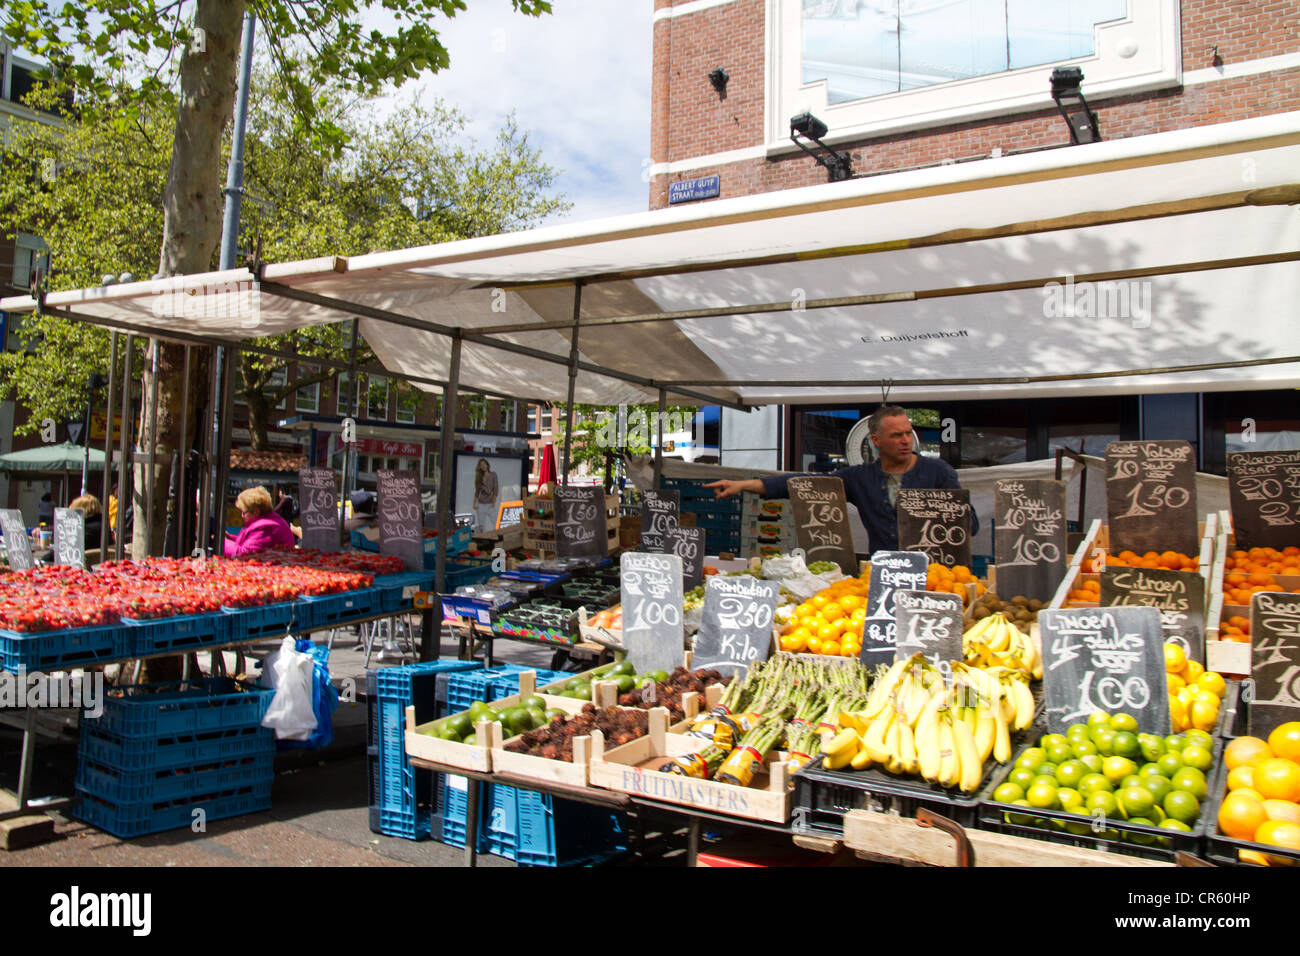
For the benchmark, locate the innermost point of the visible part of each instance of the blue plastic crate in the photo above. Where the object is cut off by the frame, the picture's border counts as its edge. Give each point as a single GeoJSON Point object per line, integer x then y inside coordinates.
{"type": "Point", "coordinates": [464, 573]}
{"type": "Point", "coordinates": [161, 753]}
{"type": "Point", "coordinates": [457, 691]}
{"type": "Point", "coordinates": [54, 650]}
{"type": "Point", "coordinates": [391, 588]}
{"type": "Point", "coordinates": [455, 804]}
{"type": "Point", "coordinates": [328, 610]}
{"type": "Point", "coordinates": [138, 819]}
{"type": "Point", "coordinates": [177, 634]}
{"type": "Point", "coordinates": [269, 620]}
{"type": "Point", "coordinates": [123, 787]}
{"type": "Point", "coordinates": [184, 707]}
{"type": "Point", "coordinates": [403, 801]}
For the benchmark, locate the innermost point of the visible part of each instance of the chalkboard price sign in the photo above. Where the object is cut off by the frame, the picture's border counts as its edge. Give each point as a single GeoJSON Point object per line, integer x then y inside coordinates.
{"type": "Point", "coordinates": [70, 537]}
{"type": "Point", "coordinates": [1108, 659]}
{"type": "Point", "coordinates": [1029, 537]}
{"type": "Point", "coordinates": [687, 544]}
{"type": "Point", "coordinates": [580, 522]}
{"type": "Point", "coordinates": [401, 517]}
{"type": "Point", "coordinates": [318, 509]}
{"type": "Point", "coordinates": [1179, 595]}
{"type": "Point", "coordinates": [891, 572]}
{"type": "Point", "coordinates": [821, 520]}
{"type": "Point", "coordinates": [18, 548]}
{"type": "Point", "coordinates": [936, 521]}
{"type": "Point", "coordinates": [1274, 687]}
{"type": "Point", "coordinates": [661, 511]}
{"type": "Point", "coordinates": [929, 623]}
{"type": "Point", "coordinates": [1264, 491]}
{"type": "Point", "coordinates": [651, 589]}
{"type": "Point", "coordinates": [736, 628]}
{"type": "Point", "coordinates": [1151, 496]}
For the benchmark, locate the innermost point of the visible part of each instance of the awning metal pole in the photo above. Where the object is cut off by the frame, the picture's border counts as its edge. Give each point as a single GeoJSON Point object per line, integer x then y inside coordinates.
{"type": "Point", "coordinates": [180, 510]}
{"type": "Point", "coordinates": [151, 481]}
{"type": "Point", "coordinates": [573, 384]}
{"type": "Point", "coordinates": [203, 531]}
{"type": "Point", "coordinates": [226, 420]}
{"type": "Point", "coordinates": [446, 447]}
{"type": "Point", "coordinates": [124, 500]}
{"type": "Point", "coordinates": [354, 395]}
{"type": "Point", "coordinates": [659, 443]}
{"type": "Point", "coordinates": [107, 489]}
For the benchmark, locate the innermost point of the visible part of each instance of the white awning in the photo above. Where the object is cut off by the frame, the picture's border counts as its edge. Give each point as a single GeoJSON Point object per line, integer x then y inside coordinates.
{"type": "Point", "coordinates": [1056, 272]}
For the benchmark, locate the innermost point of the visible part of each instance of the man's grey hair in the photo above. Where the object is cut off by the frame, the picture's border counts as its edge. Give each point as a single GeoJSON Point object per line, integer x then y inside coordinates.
{"type": "Point", "coordinates": [883, 412]}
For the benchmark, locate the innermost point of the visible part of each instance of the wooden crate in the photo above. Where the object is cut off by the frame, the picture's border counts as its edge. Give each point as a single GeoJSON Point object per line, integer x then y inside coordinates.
{"type": "Point", "coordinates": [882, 836]}
{"type": "Point", "coordinates": [630, 769]}
{"type": "Point", "coordinates": [539, 535]}
{"type": "Point", "coordinates": [544, 508]}
{"type": "Point", "coordinates": [476, 757]}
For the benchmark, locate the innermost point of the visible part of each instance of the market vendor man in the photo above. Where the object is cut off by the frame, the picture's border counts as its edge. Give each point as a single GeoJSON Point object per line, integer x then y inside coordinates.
{"type": "Point", "coordinates": [872, 488]}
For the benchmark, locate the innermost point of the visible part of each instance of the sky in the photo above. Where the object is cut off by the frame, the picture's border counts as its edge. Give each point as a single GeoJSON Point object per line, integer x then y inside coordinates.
{"type": "Point", "coordinates": [578, 80]}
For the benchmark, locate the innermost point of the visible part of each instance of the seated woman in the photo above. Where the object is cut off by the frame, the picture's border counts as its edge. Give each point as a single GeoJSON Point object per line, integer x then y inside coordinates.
{"type": "Point", "coordinates": [88, 505]}
{"type": "Point", "coordinates": [263, 528]}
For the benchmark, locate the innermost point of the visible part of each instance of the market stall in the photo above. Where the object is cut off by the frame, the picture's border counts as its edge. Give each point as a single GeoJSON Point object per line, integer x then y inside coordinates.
{"type": "Point", "coordinates": [973, 276]}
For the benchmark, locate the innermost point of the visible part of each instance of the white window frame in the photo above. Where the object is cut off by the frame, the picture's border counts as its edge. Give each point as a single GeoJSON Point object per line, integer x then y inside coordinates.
{"type": "Point", "coordinates": [509, 416]}
{"type": "Point", "coordinates": [478, 412]}
{"type": "Point", "coordinates": [313, 407]}
{"type": "Point", "coordinates": [1139, 53]}
{"type": "Point", "coordinates": [407, 416]}
{"type": "Point", "coordinates": [32, 253]}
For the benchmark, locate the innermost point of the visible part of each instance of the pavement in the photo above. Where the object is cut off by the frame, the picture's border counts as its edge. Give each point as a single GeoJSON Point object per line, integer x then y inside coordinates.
{"type": "Point", "coordinates": [319, 815]}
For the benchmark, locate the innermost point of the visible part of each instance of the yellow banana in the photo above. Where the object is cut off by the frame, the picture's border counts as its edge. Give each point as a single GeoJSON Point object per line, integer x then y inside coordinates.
{"type": "Point", "coordinates": [985, 732]}
{"type": "Point", "coordinates": [841, 759]}
{"type": "Point", "coordinates": [927, 740]}
{"type": "Point", "coordinates": [893, 744]}
{"type": "Point", "coordinates": [874, 739]}
{"type": "Point", "coordinates": [972, 770]}
{"type": "Point", "coordinates": [977, 631]}
{"type": "Point", "coordinates": [862, 760]}
{"type": "Point", "coordinates": [1001, 738]}
{"type": "Point", "coordinates": [845, 740]}
{"type": "Point", "coordinates": [949, 764]}
{"type": "Point", "coordinates": [998, 637]}
{"type": "Point", "coordinates": [907, 748]}
{"type": "Point", "coordinates": [1023, 699]}
{"type": "Point", "coordinates": [880, 694]}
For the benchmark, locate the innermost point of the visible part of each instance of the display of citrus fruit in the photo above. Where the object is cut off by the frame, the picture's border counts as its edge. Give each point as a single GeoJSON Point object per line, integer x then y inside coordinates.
{"type": "Point", "coordinates": [1284, 741]}
{"type": "Point", "coordinates": [1278, 779]}
{"type": "Point", "coordinates": [1240, 816]}
{"type": "Point", "coordinates": [1244, 751]}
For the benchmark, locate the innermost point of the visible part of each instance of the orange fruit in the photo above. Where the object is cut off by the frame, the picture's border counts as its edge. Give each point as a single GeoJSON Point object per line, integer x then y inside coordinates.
{"type": "Point", "coordinates": [1283, 810]}
{"type": "Point", "coordinates": [831, 648]}
{"type": "Point", "coordinates": [1278, 833]}
{"type": "Point", "coordinates": [1175, 659]}
{"type": "Point", "coordinates": [1243, 776]}
{"type": "Point", "coordinates": [1240, 816]}
{"type": "Point", "coordinates": [1192, 673]}
{"type": "Point", "coordinates": [1284, 741]}
{"type": "Point", "coordinates": [1216, 685]}
{"type": "Point", "coordinates": [1245, 751]}
{"type": "Point", "coordinates": [1278, 779]}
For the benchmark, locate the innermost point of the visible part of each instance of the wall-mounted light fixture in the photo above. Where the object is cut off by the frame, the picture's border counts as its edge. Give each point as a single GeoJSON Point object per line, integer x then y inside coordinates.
{"type": "Point", "coordinates": [839, 166]}
{"type": "Point", "coordinates": [1078, 115]}
{"type": "Point", "coordinates": [719, 77]}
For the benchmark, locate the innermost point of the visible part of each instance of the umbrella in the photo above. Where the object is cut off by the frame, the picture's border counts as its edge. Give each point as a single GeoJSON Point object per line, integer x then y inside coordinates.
{"type": "Point", "coordinates": [546, 474]}
{"type": "Point", "coordinates": [61, 457]}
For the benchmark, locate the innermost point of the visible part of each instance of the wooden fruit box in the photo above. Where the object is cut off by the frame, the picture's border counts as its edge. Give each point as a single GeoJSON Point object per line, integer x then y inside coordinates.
{"type": "Point", "coordinates": [477, 756]}
{"type": "Point", "coordinates": [631, 769]}
{"type": "Point", "coordinates": [535, 507]}
{"type": "Point", "coordinates": [1087, 563]}
{"type": "Point", "coordinates": [543, 539]}
{"type": "Point", "coordinates": [604, 636]}
{"type": "Point", "coordinates": [575, 774]}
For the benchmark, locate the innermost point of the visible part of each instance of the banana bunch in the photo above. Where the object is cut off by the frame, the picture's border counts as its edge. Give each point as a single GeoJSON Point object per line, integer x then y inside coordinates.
{"type": "Point", "coordinates": [995, 642]}
{"type": "Point", "coordinates": [916, 723]}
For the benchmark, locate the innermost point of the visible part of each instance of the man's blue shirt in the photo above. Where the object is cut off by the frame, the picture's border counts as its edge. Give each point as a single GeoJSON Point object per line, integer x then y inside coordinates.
{"type": "Point", "coordinates": [866, 487]}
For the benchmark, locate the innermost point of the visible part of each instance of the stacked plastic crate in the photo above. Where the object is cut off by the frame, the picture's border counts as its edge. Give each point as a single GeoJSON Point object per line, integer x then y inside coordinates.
{"type": "Point", "coordinates": [766, 528]}
{"type": "Point", "coordinates": [720, 519]}
{"type": "Point", "coordinates": [163, 756]}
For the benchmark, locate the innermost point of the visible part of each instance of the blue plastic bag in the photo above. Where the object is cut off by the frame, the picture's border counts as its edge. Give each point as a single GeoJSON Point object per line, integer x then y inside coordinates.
{"type": "Point", "coordinates": [324, 699]}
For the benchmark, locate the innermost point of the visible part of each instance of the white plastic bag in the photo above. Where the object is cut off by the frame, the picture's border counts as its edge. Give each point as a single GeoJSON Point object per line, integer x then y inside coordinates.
{"type": "Point", "coordinates": [792, 573]}
{"type": "Point", "coordinates": [290, 672]}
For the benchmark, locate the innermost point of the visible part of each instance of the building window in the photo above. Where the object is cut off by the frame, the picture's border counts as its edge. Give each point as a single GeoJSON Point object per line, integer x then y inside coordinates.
{"type": "Point", "coordinates": [307, 397]}
{"type": "Point", "coordinates": [532, 419]}
{"type": "Point", "coordinates": [377, 397]}
{"type": "Point", "coordinates": [408, 404]}
{"type": "Point", "coordinates": [431, 466]}
{"type": "Point", "coordinates": [546, 416]}
{"type": "Point", "coordinates": [279, 379]}
{"type": "Point", "coordinates": [31, 254]}
{"type": "Point", "coordinates": [343, 404]}
{"type": "Point", "coordinates": [478, 412]}
{"type": "Point", "coordinates": [509, 416]}
{"type": "Point", "coordinates": [872, 69]}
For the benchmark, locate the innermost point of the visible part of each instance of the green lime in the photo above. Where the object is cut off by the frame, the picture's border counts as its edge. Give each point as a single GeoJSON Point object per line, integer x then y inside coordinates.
{"type": "Point", "coordinates": [471, 740]}
{"type": "Point", "coordinates": [1048, 740]}
{"type": "Point", "coordinates": [1077, 730]}
{"type": "Point", "coordinates": [1124, 722]}
{"type": "Point", "coordinates": [1159, 786]}
{"type": "Point", "coordinates": [1194, 755]}
{"type": "Point", "coordinates": [1083, 747]}
{"type": "Point", "coordinates": [533, 700]}
{"type": "Point", "coordinates": [625, 683]}
{"type": "Point", "coordinates": [1008, 793]}
{"type": "Point", "coordinates": [447, 732]}
{"type": "Point", "coordinates": [1060, 753]}
{"type": "Point", "coordinates": [1043, 778]}
{"type": "Point", "coordinates": [1200, 737]}
{"type": "Point", "coordinates": [1132, 780]}
{"type": "Point", "coordinates": [1150, 770]}
{"type": "Point", "coordinates": [1070, 773]}
{"type": "Point", "coordinates": [643, 682]}
{"type": "Point", "coordinates": [1171, 823]}
{"type": "Point", "coordinates": [1033, 758]}
{"type": "Point", "coordinates": [622, 667]}
{"type": "Point", "coordinates": [1170, 762]}
{"type": "Point", "coordinates": [1095, 783]}
{"type": "Point", "coordinates": [1134, 802]}
{"type": "Point", "coordinates": [1191, 780]}
{"type": "Point", "coordinates": [1182, 806]}
{"type": "Point", "coordinates": [1152, 746]}
{"type": "Point", "coordinates": [1098, 719]}
{"type": "Point", "coordinates": [1071, 799]}
{"type": "Point", "coordinates": [1047, 768]}
{"type": "Point", "coordinates": [553, 712]}
{"type": "Point", "coordinates": [1142, 839]}
{"type": "Point", "coordinates": [1103, 803]}
{"type": "Point", "coordinates": [1117, 768]}
{"type": "Point", "coordinates": [537, 715]}
{"type": "Point", "coordinates": [1019, 819]}
{"type": "Point", "coordinates": [1175, 741]}
{"type": "Point", "coordinates": [460, 725]}
{"type": "Point", "coordinates": [1126, 744]}
{"type": "Point", "coordinates": [1043, 796]}
{"type": "Point", "coordinates": [1105, 741]}
{"type": "Point", "coordinates": [1093, 762]}
{"type": "Point", "coordinates": [659, 676]}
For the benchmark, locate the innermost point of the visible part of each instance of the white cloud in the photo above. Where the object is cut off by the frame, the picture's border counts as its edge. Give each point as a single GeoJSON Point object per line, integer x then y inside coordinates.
{"type": "Point", "coordinates": [578, 81]}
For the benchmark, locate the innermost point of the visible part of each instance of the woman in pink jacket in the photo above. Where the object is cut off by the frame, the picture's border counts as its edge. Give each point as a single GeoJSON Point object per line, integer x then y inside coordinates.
{"type": "Point", "coordinates": [263, 528]}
